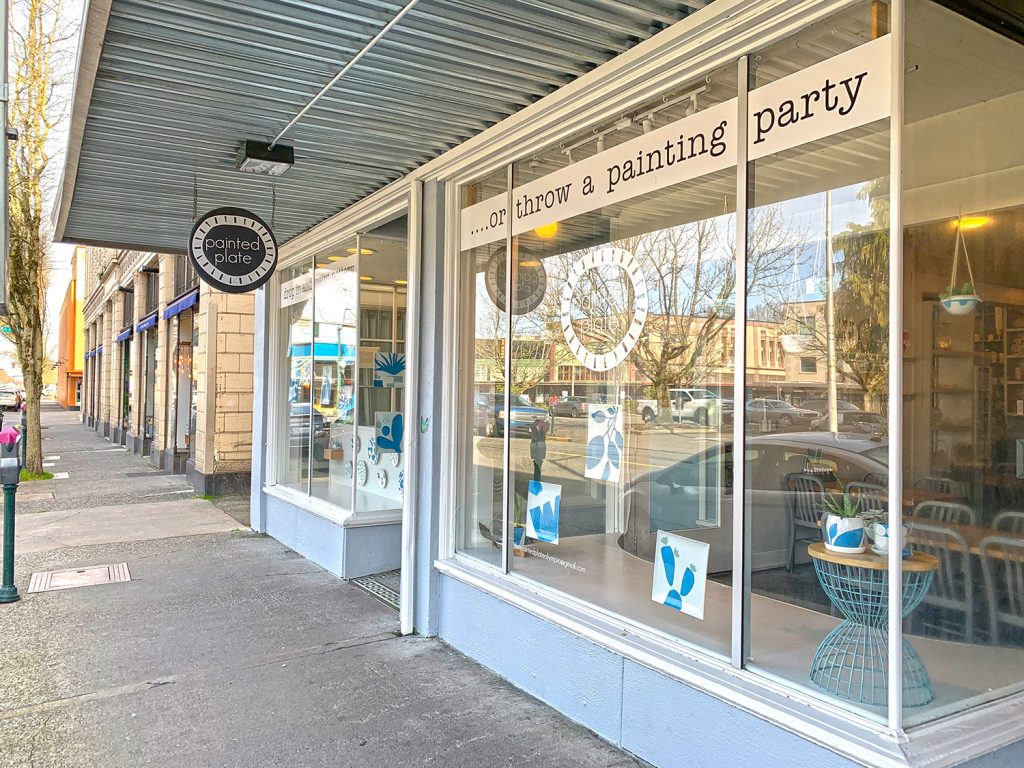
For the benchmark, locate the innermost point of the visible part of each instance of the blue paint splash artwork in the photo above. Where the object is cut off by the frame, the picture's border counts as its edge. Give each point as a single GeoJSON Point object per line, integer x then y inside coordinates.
{"type": "Point", "coordinates": [680, 573]}
{"type": "Point", "coordinates": [543, 506]}
{"type": "Point", "coordinates": [390, 429]}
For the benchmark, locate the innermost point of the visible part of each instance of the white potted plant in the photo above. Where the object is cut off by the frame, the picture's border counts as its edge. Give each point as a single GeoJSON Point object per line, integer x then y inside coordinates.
{"type": "Point", "coordinates": [962, 300]}
{"type": "Point", "coordinates": [842, 526]}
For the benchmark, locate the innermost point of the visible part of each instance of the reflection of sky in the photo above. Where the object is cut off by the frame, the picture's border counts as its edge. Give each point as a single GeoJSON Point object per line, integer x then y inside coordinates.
{"type": "Point", "coordinates": [805, 216]}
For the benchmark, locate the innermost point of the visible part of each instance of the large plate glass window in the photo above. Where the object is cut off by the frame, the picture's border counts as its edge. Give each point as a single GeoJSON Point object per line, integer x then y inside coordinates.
{"type": "Point", "coordinates": [963, 369]}
{"type": "Point", "coordinates": [295, 349]}
{"type": "Point", "coordinates": [817, 273]}
{"type": "Point", "coordinates": [332, 375]}
{"type": "Point", "coordinates": [479, 525]}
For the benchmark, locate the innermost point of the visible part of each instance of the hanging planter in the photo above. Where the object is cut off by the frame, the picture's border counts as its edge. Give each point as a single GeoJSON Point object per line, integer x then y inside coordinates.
{"type": "Point", "coordinates": [960, 301]}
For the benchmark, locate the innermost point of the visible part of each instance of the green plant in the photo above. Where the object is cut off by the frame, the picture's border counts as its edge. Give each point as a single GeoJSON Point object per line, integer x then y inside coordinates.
{"type": "Point", "coordinates": [967, 289]}
{"type": "Point", "coordinates": [842, 505]}
{"type": "Point", "coordinates": [27, 476]}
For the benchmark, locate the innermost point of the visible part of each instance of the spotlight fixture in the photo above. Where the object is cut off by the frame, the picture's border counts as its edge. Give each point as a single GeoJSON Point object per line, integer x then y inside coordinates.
{"type": "Point", "coordinates": [401, 282]}
{"type": "Point", "coordinates": [257, 157]}
{"type": "Point", "coordinates": [366, 278]}
{"type": "Point", "coordinates": [362, 251]}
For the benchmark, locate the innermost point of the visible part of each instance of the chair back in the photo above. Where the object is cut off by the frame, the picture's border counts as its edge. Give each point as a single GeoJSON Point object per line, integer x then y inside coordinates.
{"type": "Point", "coordinates": [946, 512]}
{"type": "Point", "coordinates": [952, 588]}
{"type": "Point", "coordinates": [955, 488]}
{"type": "Point", "coordinates": [1002, 562]}
{"type": "Point", "coordinates": [871, 496]}
{"type": "Point", "coordinates": [806, 496]}
{"type": "Point", "coordinates": [1009, 521]}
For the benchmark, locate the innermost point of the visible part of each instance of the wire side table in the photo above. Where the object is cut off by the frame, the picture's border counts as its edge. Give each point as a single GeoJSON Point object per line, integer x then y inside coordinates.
{"type": "Point", "coordinates": [852, 661]}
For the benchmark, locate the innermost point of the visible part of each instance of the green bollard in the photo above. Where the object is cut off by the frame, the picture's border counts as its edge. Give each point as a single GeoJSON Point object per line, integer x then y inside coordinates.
{"type": "Point", "coordinates": [10, 472]}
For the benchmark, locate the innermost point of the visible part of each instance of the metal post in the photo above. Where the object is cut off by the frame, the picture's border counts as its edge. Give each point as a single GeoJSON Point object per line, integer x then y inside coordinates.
{"type": "Point", "coordinates": [830, 320]}
{"type": "Point", "coordinates": [24, 435]}
{"type": "Point", "coordinates": [9, 592]}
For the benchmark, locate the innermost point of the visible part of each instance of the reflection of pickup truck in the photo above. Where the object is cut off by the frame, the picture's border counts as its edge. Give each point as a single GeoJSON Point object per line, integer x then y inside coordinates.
{"type": "Point", "coordinates": [697, 405]}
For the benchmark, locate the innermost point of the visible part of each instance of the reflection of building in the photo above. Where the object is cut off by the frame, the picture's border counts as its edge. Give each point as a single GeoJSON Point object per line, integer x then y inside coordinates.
{"type": "Point", "coordinates": [70, 338]}
{"type": "Point", "coordinates": [153, 380]}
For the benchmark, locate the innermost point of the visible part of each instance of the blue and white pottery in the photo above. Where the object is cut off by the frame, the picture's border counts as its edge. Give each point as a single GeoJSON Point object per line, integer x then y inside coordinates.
{"type": "Point", "coordinates": [960, 305]}
{"type": "Point", "coordinates": [843, 534]}
{"type": "Point", "coordinates": [880, 533]}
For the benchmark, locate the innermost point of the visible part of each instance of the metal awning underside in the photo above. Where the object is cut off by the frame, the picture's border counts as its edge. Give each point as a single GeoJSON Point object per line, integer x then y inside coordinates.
{"type": "Point", "coordinates": [170, 88]}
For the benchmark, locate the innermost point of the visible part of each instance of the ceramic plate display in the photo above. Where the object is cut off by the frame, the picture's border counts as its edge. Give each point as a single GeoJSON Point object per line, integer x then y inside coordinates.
{"type": "Point", "coordinates": [382, 478]}
{"type": "Point", "coordinates": [356, 443]}
{"type": "Point", "coordinates": [361, 472]}
{"type": "Point", "coordinates": [371, 451]}
{"type": "Point", "coordinates": [347, 468]}
{"type": "Point", "coordinates": [401, 483]}
{"type": "Point", "coordinates": [396, 459]}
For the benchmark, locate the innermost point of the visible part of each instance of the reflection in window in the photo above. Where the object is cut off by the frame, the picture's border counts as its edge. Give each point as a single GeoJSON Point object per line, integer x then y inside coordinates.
{"type": "Point", "coordinates": [296, 349]}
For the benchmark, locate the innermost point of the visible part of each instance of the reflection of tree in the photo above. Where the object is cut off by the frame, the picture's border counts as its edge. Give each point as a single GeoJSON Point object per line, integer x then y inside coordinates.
{"type": "Point", "coordinates": [861, 300]}
{"type": "Point", "coordinates": [691, 279]}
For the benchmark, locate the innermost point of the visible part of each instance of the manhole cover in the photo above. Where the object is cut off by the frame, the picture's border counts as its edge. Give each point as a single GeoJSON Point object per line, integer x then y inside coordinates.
{"type": "Point", "coordinates": [48, 581]}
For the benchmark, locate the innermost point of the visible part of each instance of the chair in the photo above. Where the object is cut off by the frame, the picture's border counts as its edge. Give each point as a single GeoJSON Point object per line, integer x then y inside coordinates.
{"type": "Point", "coordinates": [805, 498]}
{"type": "Point", "coordinates": [935, 484]}
{"type": "Point", "coordinates": [1009, 521]}
{"type": "Point", "coordinates": [871, 496]}
{"type": "Point", "coordinates": [952, 589]}
{"type": "Point", "coordinates": [946, 512]}
{"type": "Point", "coordinates": [1002, 562]}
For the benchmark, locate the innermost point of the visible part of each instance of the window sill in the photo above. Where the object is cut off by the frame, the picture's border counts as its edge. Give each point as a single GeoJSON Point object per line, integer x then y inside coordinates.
{"type": "Point", "coordinates": [337, 515]}
{"type": "Point", "coordinates": [945, 742]}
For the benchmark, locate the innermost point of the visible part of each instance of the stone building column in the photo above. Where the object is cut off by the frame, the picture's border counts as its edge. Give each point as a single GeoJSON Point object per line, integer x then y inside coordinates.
{"type": "Point", "coordinates": [163, 440]}
{"type": "Point", "coordinates": [136, 428]}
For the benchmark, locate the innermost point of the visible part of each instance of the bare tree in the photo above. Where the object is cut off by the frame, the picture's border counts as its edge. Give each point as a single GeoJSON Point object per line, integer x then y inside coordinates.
{"type": "Point", "coordinates": [36, 108]}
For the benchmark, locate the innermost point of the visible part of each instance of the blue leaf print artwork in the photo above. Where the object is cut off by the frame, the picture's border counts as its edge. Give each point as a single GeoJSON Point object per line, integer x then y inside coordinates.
{"type": "Point", "coordinates": [604, 446]}
{"type": "Point", "coordinates": [388, 368]}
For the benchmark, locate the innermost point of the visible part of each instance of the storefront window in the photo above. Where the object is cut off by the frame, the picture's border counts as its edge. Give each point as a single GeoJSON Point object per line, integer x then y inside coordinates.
{"type": "Point", "coordinates": [380, 469]}
{"type": "Point", "coordinates": [127, 384]}
{"type": "Point", "coordinates": [296, 348]}
{"type": "Point", "coordinates": [335, 290]}
{"type": "Point", "coordinates": [817, 275]}
{"type": "Point", "coordinates": [963, 347]}
{"type": "Point", "coordinates": [149, 340]}
{"type": "Point", "coordinates": [480, 509]}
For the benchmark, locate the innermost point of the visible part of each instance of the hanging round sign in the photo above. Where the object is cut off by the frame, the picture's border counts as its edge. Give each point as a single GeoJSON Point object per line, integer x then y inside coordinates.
{"type": "Point", "coordinates": [233, 250]}
{"type": "Point", "coordinates": [606, 257]}
{"type": "Point", "coordinates": [531, 283]}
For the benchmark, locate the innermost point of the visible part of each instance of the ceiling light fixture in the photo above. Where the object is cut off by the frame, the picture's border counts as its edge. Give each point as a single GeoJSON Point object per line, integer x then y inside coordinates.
{"type": "Point", "coordinates": [546, 231]}
{"type": "Point", "coordinates": [972, 222]}
{"type": "Point", "coordinates": [366, 278]}
{"type": "Point", "coordinates": [259, 158]}
{"type": "Point", "coordinates": [362, 251]}
{"type": "Point", "coordinates": [401, 282]}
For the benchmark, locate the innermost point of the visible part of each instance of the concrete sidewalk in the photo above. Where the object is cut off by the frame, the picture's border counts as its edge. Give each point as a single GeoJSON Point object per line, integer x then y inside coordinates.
{"type": "Point", "coordinates": [228, 649]}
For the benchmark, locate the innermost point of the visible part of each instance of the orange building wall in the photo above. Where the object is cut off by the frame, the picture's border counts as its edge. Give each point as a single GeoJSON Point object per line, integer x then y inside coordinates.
{"type": "Point", "coordinates": [70, 340]}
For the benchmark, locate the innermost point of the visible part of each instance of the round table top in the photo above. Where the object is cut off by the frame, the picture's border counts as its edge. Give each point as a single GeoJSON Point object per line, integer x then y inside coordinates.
{"type": "Point", "coordinates": [920, 562]}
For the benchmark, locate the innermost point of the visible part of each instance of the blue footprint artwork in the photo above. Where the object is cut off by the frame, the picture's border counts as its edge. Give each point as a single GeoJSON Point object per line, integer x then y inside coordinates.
{"type": "Point", "coordinates": [679, 574]}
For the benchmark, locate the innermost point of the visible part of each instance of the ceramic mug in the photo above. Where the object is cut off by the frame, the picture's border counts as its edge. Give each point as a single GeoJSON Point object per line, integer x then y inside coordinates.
{"type": "Point", "coordinates": [879, 533]}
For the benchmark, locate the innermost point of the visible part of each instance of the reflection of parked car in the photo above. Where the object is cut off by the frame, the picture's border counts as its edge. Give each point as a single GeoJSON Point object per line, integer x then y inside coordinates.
{"type": "Point", "coordinates": [698, 405]}
{"type": "Point", "coordinates": [10, 398]}
{"type": "Point", "coordinates": [490, 414]}
{"type": "Point", "coordinates": [780, 413]}
{"type": "Point", "coordinates": [299, 424]}
{"type": "Point", "coordinates": [863, 422]}
{"type": "Point", "coordinates": [821, 405]}
{"type": "Point", "coordinates": [571, 406]}
{"type": "Point", "coordinates": [695, 494]}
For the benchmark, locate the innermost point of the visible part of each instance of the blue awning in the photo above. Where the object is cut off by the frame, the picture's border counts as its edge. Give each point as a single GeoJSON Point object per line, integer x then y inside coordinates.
{"type": "Point", "coordinates": [325, 349]}
{"type": "Point", "coordinates": [181, 304]}
{"type": "Point", "coordinates": [124, 335]}
{"type": "Point", "coordinates": [89, 354]}
{"type": "Point", "coordinates": [99, 350]}
{"type": "Point", "coordinates": [147, 322]}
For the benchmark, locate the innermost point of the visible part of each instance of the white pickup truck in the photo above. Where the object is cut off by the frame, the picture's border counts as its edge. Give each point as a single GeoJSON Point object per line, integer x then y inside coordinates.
{"type": "Point", "coordinates": [701, 406]}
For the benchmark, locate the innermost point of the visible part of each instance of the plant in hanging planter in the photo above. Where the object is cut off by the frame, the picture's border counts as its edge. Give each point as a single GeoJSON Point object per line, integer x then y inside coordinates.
{"type": "Point", "coordinates": [842, 526]}
{"type": "Point", "coordinates": [959, 301]}
{"type": "Point", "coordinates": [962, 300]}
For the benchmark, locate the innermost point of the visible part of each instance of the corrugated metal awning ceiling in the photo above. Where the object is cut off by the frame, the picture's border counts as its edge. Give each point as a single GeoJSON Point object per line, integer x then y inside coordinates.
{"type": "Point", "coordinates": [179, 84]}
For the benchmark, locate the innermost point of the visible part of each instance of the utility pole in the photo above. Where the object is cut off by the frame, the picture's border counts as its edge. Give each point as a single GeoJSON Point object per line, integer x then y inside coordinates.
{"type": "Point", "coordinates": [4, 91]}
{"type": "Point", "coordinates": [830, 320]}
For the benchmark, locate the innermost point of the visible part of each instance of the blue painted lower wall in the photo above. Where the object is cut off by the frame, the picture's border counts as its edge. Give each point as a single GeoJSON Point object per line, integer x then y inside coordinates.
{"type": "Point", "coordinates": [656, 718]}
{"type": "Point", "coordinates": [348, 552]}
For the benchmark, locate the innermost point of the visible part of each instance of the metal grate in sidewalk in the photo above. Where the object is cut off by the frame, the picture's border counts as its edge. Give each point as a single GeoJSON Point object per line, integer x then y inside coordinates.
{"type": "Point", "coordinates": [383, 586]}
{"type": "Point", "coordinates": [69, 578]}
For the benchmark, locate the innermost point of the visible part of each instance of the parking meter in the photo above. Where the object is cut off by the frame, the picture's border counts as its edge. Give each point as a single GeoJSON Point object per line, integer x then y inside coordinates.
{"type": "Point", "coordinates": [538, 445]}
{"type": "Point", "coordinates": [10, 471]}
{"type": "Point", "coordinates": [10, 463]}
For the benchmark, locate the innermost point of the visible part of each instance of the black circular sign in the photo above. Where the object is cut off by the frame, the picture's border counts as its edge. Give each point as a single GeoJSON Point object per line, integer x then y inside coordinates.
{"type": "Point", "coordinates": [233, 250]}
